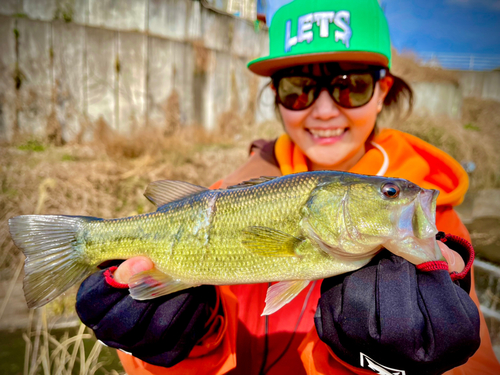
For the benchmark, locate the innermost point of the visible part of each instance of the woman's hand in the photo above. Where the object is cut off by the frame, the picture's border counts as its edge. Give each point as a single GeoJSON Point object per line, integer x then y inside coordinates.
{"type": "Point", "coordinates": [161, 331]}
{"type": "Point", "coordinates": [131, 267]}
{"type": "Point", "coordinates": [455, 261]}
{"type": "Point", "coordinates": [389, 312]}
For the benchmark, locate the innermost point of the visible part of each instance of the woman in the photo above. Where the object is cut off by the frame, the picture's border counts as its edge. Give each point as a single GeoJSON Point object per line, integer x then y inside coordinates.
{"type": "Point", "coordinates": [330, 67]}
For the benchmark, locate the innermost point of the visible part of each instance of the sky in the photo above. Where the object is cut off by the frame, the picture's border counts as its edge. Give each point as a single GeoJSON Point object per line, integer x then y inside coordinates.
{"type": "Point", "coordinates": [440, 26]}
{"type": "Point", "coordinates": [444, 26]}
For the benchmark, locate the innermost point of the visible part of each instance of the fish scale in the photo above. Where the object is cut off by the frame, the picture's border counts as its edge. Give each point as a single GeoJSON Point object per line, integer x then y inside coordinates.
{"type": "Point", "coordinates": [290, 229]}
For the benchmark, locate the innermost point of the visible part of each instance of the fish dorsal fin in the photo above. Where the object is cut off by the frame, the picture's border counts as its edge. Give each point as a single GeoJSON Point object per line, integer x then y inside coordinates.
{"type": "Point", "coordinates": [270, 242]}
{"type": "Point", "coordinates": [278, 295]}
{"type": "Point", "coordinates": [166, 191]}
{"type": "Point", "coordinates": [153, 283]}
{"type": "Point", "coordinates": [252, 182]}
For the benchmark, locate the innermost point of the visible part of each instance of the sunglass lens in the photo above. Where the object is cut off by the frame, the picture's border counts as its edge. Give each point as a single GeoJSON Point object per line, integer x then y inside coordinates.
{"type": "Point", "coordinates": [297, 92]}
{"type": "Point", "coordinates": [353, 90]}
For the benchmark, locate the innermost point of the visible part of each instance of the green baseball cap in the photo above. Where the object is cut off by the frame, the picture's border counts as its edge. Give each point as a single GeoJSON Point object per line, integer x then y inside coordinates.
{"type": "Point", "coordinates": [314, 31]}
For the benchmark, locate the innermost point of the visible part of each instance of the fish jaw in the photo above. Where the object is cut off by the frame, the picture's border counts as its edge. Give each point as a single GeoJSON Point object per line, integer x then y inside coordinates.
{"type": "Point", "coordinates": [415, 239]}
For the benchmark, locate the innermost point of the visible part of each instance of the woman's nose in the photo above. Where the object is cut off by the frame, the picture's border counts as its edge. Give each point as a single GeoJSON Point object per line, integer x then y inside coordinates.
{"type": "Point", "coordinates": [325, 108]}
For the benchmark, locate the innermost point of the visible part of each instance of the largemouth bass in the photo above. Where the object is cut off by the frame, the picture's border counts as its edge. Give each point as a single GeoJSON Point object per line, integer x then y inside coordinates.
{"type": "Point", "coordinates": [291, 229]}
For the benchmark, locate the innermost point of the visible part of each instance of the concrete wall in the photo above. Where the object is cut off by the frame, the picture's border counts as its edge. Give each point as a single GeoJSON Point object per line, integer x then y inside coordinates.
{"type": "Point", "coordinates": [437, 99]}
{"type": "Point", "coordinates": [70, 63]}
{"type": "Point", "coordinates": [67, 64]}
{"type": "Point", "coordinates": [484, 85]}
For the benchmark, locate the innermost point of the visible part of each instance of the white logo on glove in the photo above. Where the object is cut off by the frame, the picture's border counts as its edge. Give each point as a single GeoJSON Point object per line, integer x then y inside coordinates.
{"type": "Point", "coordinates": [368, 363]}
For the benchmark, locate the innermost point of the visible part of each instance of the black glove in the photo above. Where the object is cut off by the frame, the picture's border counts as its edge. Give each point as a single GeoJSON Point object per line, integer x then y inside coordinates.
{"type": "Point", "coordinates": [390, 316]}
{"type": "Point", "coordinates": [161, 331]}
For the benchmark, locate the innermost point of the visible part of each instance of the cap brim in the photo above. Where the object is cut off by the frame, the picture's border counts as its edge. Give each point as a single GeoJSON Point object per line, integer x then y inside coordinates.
{"type": "Point", "coordinates": [267, 66]}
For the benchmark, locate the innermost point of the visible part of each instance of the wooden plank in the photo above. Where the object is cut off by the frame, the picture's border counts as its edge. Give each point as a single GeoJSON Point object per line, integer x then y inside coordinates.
{"type": "Point", "coordinates": [69, 83]}
{"type": "Point", "coordinates": [101, 76]}
{"type": "Point", "coordinates": [7, 75]}
{"type": "Point", "coordinates": [35, 66]}
{"type": "Point", "coordinates": [132, 79]}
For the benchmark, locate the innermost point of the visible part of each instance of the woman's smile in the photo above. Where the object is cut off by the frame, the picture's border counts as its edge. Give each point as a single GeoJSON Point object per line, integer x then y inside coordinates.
{"type": "Point", "coordinates": [325, 136]}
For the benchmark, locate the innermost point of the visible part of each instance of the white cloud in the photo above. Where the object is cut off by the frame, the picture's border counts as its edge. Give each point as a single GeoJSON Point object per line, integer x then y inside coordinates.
{"type": "Point", "coordinates": [489, 4]}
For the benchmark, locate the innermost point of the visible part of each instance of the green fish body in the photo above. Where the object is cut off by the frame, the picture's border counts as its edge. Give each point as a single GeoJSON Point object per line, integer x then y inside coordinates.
{"type": "Point", "coordinates": [291, 229]}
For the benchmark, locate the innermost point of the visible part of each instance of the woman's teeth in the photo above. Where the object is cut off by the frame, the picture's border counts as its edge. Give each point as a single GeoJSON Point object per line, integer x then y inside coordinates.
{"type": "Point", "coordinates": [326, 133]}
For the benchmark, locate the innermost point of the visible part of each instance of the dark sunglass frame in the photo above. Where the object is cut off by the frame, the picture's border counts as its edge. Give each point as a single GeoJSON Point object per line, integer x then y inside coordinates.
{"type": "Point", "coordinates": [324, 82]}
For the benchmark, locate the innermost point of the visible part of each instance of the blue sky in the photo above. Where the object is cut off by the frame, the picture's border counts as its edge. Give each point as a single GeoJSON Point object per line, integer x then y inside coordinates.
{"type": "Point", "coordinates": [449, 26]}
{"type": "Point", "coordinates": [440, 26]}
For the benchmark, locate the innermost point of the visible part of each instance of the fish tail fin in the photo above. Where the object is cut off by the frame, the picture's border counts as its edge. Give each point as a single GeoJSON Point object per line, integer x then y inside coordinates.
{"type": "Point", "coordinates": [55, 260]}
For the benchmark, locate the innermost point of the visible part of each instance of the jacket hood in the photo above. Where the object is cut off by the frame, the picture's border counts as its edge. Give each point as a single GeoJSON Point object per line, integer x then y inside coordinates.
{"type": "Point", "coordinates": [398, 154]}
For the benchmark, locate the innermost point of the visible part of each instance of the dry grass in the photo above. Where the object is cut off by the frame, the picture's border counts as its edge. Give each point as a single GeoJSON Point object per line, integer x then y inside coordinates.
{"type": "Point", "coordinates": [66, 355]}
{"type": "Point", "coordinates": [408, 66]}
{"type": "Point", "coordinates": [473, 138]}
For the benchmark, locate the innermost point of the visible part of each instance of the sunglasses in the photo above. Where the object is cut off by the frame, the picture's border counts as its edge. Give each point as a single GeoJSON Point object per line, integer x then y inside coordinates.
{"type": "Point", "coordinates": [349, 90]}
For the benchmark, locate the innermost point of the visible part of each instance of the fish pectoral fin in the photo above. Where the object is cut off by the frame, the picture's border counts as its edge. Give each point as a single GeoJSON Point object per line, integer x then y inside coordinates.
{"type": "Point", "coordinates": [166, 191]}
{"type": "Point", "coordinates": [270, 242]}
{"type": "Point", "coordinates": [278, 295]}
{"type": "Point", "coordinates": [336, 251]}
{"type": "Point", "coordinates": [153, 283]}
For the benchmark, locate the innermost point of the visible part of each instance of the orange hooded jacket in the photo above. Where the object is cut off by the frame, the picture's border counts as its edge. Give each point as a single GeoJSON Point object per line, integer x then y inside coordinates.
{"type": "Point", "coordinates": [236, 341]}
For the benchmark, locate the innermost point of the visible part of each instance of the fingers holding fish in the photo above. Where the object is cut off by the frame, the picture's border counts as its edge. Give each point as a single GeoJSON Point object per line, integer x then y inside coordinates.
{"type": "Point", "coordinates": [455, 261]}
{"type": "Point", "coordinates": [132, 267]}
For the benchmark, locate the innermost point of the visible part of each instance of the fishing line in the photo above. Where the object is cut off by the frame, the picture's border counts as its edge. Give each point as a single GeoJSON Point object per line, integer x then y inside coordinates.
{"type": "Point", "coordinates": [304, 305]}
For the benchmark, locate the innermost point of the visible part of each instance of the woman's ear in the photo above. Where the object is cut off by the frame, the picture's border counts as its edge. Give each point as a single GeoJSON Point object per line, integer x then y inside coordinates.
{"type": "Point", "coordinates": [384, 85]}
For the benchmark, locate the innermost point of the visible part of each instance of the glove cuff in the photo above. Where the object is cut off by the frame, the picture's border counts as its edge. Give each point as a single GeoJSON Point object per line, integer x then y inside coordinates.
{"type": "Point", "coordinates": [432, 266]}
{"type": "Point", "coordinates": [461, 246]}
{"type": "Point", "coordinates": [464, 249]}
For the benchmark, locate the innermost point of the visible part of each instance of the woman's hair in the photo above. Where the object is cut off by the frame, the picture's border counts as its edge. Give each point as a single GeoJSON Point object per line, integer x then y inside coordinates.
{"type": "Point", "coordinates": [399, 92]}
{"type": "Point", "coordinates": [399, 97]}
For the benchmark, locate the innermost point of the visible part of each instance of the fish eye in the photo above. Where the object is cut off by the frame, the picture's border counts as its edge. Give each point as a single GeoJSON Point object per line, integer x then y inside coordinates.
{"type": "Point", "coordinates": [390, 190]}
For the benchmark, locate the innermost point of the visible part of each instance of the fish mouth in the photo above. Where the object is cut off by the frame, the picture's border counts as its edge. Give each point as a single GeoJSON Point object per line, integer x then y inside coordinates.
{"type": "Point", "coordinates": [416, 237]}
{"type": "Point", "coordinates": [424, 220]}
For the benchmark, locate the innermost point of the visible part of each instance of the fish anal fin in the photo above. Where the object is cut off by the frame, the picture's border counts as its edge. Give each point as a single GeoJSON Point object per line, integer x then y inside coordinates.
{"type": "Point", "coordinates": [166, 191]}
{"type": "Point", "coordinates": [153, 283]}
{"type": "Point", "coordinates": [278, 295]}
{"type": "Point", "coordinates": [252, 182]}
{"type": "Point", "coordinates": [270, 242]}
